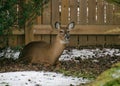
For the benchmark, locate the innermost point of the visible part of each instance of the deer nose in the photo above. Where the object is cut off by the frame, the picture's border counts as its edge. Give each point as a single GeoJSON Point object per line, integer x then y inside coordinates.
{"type": "Point", "coordinates": [67, 36]}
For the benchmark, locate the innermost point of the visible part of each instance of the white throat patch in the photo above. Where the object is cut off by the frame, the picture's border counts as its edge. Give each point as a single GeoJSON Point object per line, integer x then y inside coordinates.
{"type": "Point", "coordinates": [64, 42]}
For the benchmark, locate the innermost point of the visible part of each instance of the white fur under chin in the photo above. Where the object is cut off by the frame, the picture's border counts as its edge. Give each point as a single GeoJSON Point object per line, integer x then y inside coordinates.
{"type": "Point", "coordinates": [64, 42]}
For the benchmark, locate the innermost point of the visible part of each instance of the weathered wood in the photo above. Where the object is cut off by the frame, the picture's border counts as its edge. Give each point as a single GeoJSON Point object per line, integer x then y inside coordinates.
{"type": "Point", "coordinates": [20, 40]}
{"type": "Point", "coordinates": [116, 16]}
{"type": "Point", "coordinates": [92, 28]}
{"type": "Point", "coordinates": [79, 29]}
{"type": "Point", "coordinates": [46, 38]}
{"type": "Point", "coordinates": [64, 13]}
{"type": "Point", "coordinates": [17, 31]}
{"type": "Point", "coordinates": [91, 11]}
{"type": "Point", "coordinates": [100, 40]}
{"type": "Point", "coordinates": [83, 12]}
{"type": "Point", "coordinates": [73, 10]}
{"type": "Point", "coordinates": [37, 37]}
{"type": "Point", "coordinates": [73, 40]}
{"type": "Point", "coordinates": [100, 12]}
{"type": "Point", "coordinates": [109, 13]}
{"type": "Point", "coordinates": [83, 40]}
{"type": "Point", "coordinates": [28, 34]}
{"type": "Point", "coordinates": [109, 40]}
{"type": "Point", "coordinates": [46, 17]}
{"type": "Point", "coordinates": [55, 12]}
{"type": "Point", "coordinates": [12, 40]}
{"type": "Point", "coordinates": [117, 40]}
{"type": "Point", "coordinates": [39, 20]}
{"type": "Point", "coordinates": [92, 40]}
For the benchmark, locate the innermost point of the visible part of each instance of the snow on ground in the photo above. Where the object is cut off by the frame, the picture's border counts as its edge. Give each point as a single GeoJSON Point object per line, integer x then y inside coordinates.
{"type": "Point", "coordinates": [89, 53]}
{"type": "Point", "coordinates": [32, 78]}
{"type": "Point", "coordinates": [72, 54]}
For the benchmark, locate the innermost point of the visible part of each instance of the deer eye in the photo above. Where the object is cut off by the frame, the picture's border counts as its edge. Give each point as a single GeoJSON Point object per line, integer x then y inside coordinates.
{"type": "Point", "coordinates": [68, 31]}
{"type": "Point", "coordinates": [61, 31]}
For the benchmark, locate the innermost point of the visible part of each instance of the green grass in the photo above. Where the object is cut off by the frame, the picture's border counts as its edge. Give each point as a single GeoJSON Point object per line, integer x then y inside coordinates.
{"type": "Point", "coordinates": [110, 77]}
{"type": "Point", "coordinates": [114, 82]}
{"type": "Point", "coordinates": [77, 74]}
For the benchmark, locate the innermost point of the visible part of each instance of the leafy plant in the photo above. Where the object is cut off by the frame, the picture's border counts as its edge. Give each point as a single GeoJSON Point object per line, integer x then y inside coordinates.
{"type": "Point", "coordinates": [114, 82]}
{"type": "Point", "coordinates": [114, 1]}
{"type": "Point", "coordinates": [15, 13]}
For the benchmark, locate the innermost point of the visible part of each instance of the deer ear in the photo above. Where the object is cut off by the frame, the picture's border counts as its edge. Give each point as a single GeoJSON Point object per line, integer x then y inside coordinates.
{"type": "Point", "coordinates": [71, 25]}
{"type": "Point", "coordinates": [57, 25]}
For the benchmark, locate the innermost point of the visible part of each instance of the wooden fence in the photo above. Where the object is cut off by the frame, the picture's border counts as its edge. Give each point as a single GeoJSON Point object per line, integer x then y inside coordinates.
{"type": "Point", "coordinates": [96, 23]}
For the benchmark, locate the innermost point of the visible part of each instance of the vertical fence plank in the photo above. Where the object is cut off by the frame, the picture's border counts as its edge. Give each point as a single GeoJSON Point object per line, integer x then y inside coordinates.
{"type": "Point", "coordinates": [100, 40]}
{"type": "Point", "coordinates": [47, 13]}
{"type": "Point", "coordinates": [64, 13]}
{"type": "Point", "coordinates": [73, 40]}
{"type": "Point", "coordinates": [38, 37]}
{"type": "Point", "coordinates": [100, 12]}
{"type": "Point", "coordinates": [109, 40]}
{"type": "Point", "coordinates": [52, 38]}
{"type": "Point", "coordinates": [46, 38]}
{"type": "Point", "coordinates": [39, 20]}
{"type": "Point", "coordinates": [92, 40]}
{"type": "Point", "coordinates": [73, 10]}
{"type": "Point", "coordinates": [109, 13]}
{"type": "Point", "coordinates": [117, 39]}
{"type": "Point", "coordinates": [20, 40]}
{"type": "Point", "coordinates": [83, 12]}
{"type": "Point", "coordinates": [91, 11]}
{"type": "Point", "coordinates": [13, 41]}
{"type": "Point", "coordinates": [116, 17]}
{"type": "Point", "coordinates": [55, 11]}
{"type": "Point", "coordinates": [83, 40]}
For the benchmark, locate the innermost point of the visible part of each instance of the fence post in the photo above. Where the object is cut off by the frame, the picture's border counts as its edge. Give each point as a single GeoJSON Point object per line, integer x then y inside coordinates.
{"type": "Point", "coordinates": [29, 33]}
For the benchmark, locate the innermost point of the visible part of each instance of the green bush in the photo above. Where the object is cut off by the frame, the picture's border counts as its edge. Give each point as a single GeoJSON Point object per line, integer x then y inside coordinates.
{"type": "Point", "coordinates": [15, 13]}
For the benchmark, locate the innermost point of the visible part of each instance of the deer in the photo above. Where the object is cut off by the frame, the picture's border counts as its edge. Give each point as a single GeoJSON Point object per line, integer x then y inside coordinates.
{"type": "Point", "coordinates": [41, 52]}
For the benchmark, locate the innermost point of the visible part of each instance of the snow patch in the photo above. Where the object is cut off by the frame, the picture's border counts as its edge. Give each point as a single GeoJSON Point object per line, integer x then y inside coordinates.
{"type": "Point", "coordinates": [71, 54]}
{"type": "Point", "coordinates": [88, 53]}
{"type": "Point", "coordinates": [32, 78]}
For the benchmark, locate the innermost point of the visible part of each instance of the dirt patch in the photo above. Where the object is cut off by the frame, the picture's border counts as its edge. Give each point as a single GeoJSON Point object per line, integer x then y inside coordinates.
{"type": "Point", "coordinates": [88, 68]}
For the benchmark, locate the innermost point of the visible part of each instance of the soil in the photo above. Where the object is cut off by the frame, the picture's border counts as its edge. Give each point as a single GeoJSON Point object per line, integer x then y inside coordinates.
{"type": "Point", "coordinates": [88, 68]}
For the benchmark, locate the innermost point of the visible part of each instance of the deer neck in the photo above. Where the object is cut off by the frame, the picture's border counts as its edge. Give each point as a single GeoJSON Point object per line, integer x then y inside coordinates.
{"type": "Point", "coordinates": [57, 48]}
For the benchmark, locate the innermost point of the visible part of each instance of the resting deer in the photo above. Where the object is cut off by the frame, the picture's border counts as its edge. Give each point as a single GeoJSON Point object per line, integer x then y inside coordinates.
{"type": "Point", "coordinates": [43, 53]}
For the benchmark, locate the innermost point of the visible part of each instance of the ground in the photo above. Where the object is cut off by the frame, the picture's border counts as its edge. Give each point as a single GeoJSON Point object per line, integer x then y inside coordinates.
{"type": "Point", "coordinates": [78, 67]}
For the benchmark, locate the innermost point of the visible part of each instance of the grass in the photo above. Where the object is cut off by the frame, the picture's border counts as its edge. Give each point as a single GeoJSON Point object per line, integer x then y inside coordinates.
{"type": "Point", "coordinates": [4, 83]}
{"type": "Point", "coordinates": [114, 82]}
{"type": "Point", "coordinates": [77, 74]}
{"type": "Point", "coordinates": [110, 77]}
